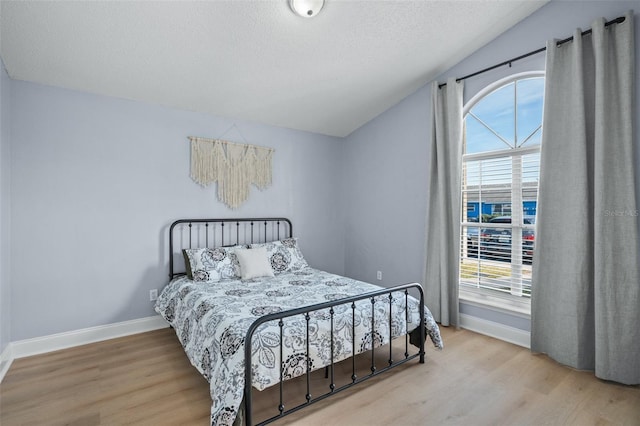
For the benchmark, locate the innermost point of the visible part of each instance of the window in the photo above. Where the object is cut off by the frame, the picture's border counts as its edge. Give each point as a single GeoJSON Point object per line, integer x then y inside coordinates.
{"type": "Point", "coordinates": [500, 171]}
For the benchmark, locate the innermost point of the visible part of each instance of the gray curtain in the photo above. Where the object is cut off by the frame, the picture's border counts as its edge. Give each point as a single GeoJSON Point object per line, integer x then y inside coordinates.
{"type": "Point", "coordinates": [585, 304]}
{"type": "Point", "coordinates": [443, 209]}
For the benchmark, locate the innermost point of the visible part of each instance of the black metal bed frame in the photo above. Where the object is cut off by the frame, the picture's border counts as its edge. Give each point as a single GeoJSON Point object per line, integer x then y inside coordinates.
{"type": "Point", "coordinates": [276, 225]}
{"type": "Point", "coordinates": [214, 237]}
{"type": "Point", "coordinates": [332, 389]}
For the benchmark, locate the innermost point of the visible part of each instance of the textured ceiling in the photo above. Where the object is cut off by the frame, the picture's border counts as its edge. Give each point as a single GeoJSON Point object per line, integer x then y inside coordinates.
{"type": "Point", "coordinates": [252, 60]}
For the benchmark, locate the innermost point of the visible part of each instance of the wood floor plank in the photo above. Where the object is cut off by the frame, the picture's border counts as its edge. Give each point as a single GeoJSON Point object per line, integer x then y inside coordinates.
{"type": "Point", "coordinates": [146, 379]}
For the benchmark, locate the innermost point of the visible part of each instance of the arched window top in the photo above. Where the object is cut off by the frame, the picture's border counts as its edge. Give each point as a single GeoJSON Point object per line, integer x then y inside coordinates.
{"type": "Point", "coordinates": [506, 115]}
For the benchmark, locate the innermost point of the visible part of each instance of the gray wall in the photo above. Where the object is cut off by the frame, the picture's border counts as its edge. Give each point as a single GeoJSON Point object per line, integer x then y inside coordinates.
{"type": "Point", "coordinates": [385, 194]}
{"type": "Point", "coordinates": [385, 177]}
{"type": "Point", "coordinates": [5, 218]}
{"type": "Point", "coordinates": [97, 180]}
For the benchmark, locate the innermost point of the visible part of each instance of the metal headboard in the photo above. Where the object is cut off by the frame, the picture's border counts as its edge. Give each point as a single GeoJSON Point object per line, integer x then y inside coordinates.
{"type": "Point", "coordinates": [200, 233]}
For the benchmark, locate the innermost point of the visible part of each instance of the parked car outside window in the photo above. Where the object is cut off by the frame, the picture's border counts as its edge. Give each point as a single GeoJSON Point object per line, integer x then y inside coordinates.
{"type": "Point", "coordinates": [495, 243]}
{"type": "Point", "coordinates": [472, 238]}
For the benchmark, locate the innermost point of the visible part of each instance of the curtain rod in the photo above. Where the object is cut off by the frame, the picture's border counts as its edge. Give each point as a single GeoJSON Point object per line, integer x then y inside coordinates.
{"type": "Point", "coordinates": [534, 52]}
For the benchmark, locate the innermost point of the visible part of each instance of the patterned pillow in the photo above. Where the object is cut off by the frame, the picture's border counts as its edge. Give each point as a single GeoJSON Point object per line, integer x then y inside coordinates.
{"type": "Point", "coordinates": [284, 255]}
{"type": "Point", "coordinates": [212, 264]}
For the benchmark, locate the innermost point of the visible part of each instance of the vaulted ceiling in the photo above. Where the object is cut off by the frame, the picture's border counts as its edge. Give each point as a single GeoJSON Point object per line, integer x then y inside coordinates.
{"type": "Point", "coordinates": [251, 60]}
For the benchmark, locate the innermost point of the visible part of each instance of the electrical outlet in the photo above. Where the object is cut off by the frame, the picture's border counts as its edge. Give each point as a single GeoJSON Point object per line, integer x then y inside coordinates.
{"type": "Point", "coordinates": [379, 275]}
{"type": "Point", "coordinates": [153, 294]}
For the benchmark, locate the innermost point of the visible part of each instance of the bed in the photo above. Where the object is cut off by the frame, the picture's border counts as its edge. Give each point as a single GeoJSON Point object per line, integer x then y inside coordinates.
{"type": "Point", "coordinates": [298, 319]}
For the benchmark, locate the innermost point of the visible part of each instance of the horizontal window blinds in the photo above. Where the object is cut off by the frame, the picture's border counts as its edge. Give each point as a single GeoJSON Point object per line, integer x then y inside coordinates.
{"type": "Point", "coordinates": [498, 238]}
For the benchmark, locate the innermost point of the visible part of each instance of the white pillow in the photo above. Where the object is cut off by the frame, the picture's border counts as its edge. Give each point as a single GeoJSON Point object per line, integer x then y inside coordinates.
{"type": "Point", "coordinates": [254, 263]}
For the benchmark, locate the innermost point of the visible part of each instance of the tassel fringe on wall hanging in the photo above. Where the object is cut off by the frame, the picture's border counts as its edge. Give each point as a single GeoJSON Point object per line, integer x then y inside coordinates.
{"type": "Point", "coordinates": [234, 166]}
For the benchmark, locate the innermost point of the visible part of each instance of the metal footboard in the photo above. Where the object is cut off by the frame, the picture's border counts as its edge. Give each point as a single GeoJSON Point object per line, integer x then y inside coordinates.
{"type": "Point", "coordinates": [332, 388]}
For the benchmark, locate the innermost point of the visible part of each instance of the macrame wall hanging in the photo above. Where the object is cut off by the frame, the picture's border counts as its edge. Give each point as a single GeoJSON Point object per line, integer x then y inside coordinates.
{"type": "Point", "coordinates": [234, 166]}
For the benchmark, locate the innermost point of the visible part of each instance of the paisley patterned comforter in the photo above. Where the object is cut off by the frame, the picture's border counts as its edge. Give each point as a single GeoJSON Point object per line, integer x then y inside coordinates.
{"type": "Point", "coordinates": [211, 321]}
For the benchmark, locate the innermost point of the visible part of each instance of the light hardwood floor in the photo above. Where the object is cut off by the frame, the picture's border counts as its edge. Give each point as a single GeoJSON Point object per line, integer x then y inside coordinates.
{"type": "Point", "coordinates": [146, 379]}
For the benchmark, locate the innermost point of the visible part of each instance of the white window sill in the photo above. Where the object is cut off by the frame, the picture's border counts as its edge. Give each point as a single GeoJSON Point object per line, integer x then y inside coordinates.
{"type": "Point", "coordinates": [520, 306]}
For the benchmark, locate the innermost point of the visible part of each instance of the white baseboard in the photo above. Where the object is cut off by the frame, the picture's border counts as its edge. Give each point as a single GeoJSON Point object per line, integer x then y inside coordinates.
{"type": "Point", "coordinates": [6, 358]}
{"type": "Point", "coordinates": [497, 330]}
{"type": "Point", "coordinates": [54, 342]}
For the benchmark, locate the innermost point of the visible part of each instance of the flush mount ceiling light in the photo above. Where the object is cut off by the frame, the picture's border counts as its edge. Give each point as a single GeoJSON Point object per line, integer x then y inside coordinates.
{"type": "Point", "coordinates": [306, 8]}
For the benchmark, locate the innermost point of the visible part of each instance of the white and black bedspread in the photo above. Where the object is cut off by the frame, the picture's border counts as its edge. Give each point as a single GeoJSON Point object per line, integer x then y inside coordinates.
{"type": "Point", "coordinates": [212, 319]}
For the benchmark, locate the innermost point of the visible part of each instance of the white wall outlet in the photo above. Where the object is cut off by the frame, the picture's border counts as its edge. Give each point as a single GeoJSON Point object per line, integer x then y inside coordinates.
{"type": "Point", "coordinates": [379, 275]}
{"type": "Point", "coordinates": [153, 294]}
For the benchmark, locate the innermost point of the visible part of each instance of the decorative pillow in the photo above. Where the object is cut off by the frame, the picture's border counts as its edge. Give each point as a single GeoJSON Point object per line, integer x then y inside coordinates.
{"type": "Point", "coordinates": [254, 263]}
{"type": "Point", "coordinates": [284, 255]}
{"type": "Point", "coordinates": [212, 264]}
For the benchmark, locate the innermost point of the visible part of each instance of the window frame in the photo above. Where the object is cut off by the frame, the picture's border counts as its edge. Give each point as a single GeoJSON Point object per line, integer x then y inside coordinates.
{"type": "Point", "coordinates": [485, 297]}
